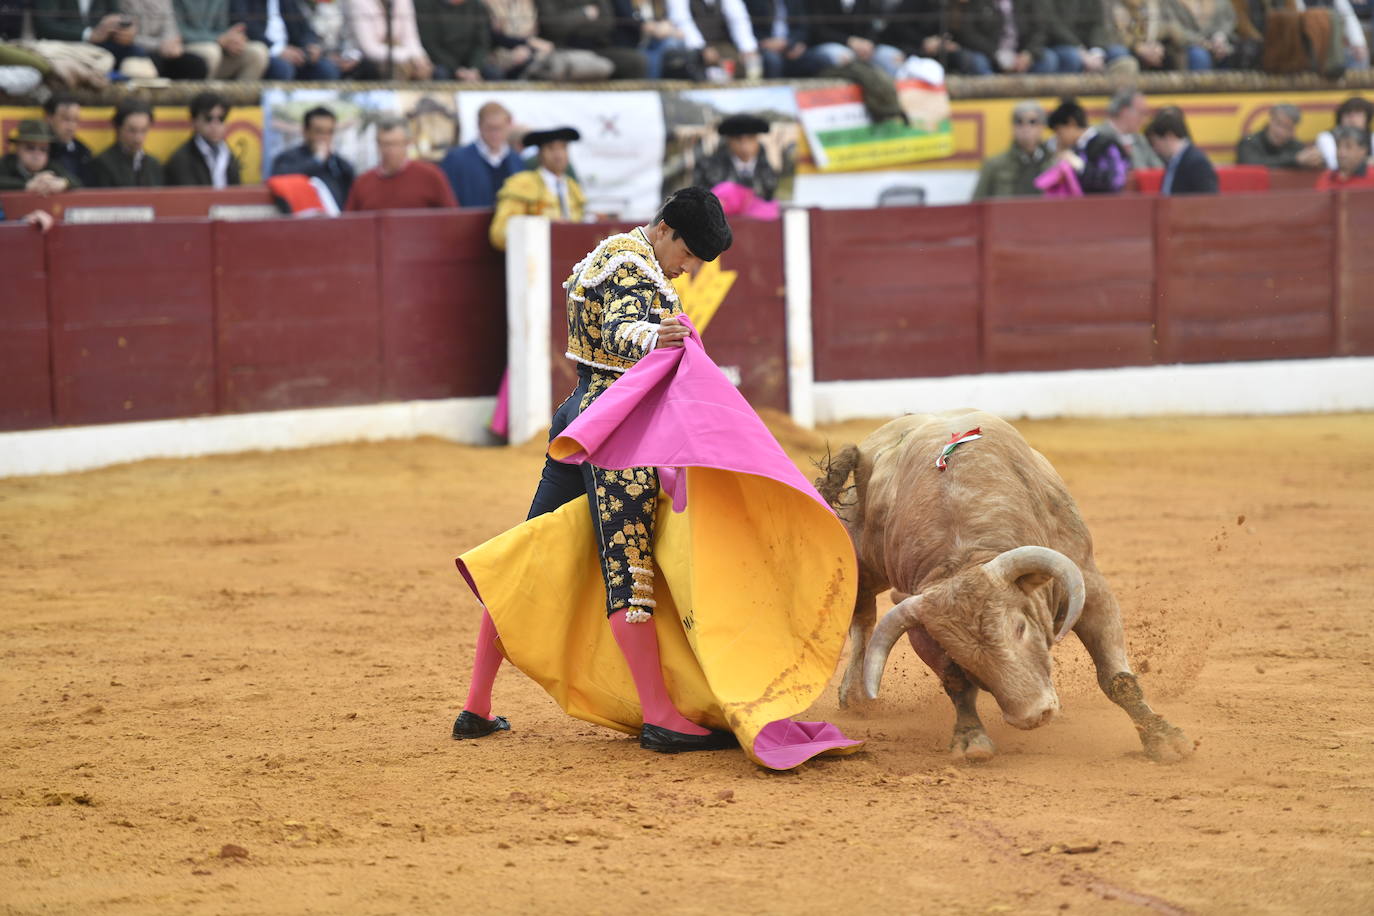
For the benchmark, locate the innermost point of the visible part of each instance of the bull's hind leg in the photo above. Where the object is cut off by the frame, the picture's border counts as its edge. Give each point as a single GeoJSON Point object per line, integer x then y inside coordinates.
{"type": "Point", "coordinates": [970, 740]}
{"type": "Point", "coordinates": [860, 631]}
{"type": "Point", "coordinates": [1100, 631]}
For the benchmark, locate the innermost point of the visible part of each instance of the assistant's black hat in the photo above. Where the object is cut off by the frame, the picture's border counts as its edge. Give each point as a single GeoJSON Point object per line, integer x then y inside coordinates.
{"type": "Point", "coordinates": [695, 215]}
{"type": "Point", "coordinates": [742, 125]}
{"type": "Point", "coordinates": [540, 137]}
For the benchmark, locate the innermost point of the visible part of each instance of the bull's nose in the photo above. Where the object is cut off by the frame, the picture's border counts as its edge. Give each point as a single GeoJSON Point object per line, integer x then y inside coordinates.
{"type": "Point", "coordinates": [1034, 719]}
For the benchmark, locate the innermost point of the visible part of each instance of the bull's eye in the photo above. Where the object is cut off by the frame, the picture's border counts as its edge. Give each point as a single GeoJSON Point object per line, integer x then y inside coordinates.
{"type": "Point", "coordinates": [1021, 630]}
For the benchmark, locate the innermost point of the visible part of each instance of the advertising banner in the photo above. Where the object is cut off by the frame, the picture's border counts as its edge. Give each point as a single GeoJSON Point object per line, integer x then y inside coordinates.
{"type": "Point", "coordinates": [843, 139]}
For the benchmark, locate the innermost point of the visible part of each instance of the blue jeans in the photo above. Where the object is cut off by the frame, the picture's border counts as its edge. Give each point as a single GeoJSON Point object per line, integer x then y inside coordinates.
{"type": "Point", "coordinates": [974, 63]}
{"type": "Point", "coordinates": [1199, 58]}
{"type": "Point", "coordinates": [322, 69]}
{"type": "Point", "coordinates": [1059, 59]}
{"type": "Point", "coordinates": [653, 54]}
{"type": "Point", "coordinates": [886, 57]}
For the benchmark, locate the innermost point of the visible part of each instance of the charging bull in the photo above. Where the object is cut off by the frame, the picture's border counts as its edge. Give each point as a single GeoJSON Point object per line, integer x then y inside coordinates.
{"type": "Point", "coordinates": [990, 565]}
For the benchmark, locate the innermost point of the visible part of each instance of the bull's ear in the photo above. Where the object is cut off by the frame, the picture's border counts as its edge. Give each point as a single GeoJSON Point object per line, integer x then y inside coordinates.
{"type": "Point", "coordinates": [1032, 581]}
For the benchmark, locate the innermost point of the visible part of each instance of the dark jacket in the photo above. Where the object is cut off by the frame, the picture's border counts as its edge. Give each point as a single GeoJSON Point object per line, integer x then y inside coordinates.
{"type": "Point", "coordinates": [455, 36]}
{"type": "Point", "coordinates": [977, 25]}
{"type": "Point", "coordinates": [762, 12]}
{"type": "Point", "coordinates": [114, 168]}
{"type": "Point", "coordinates": [1076, 23]}
{"type": "Point", "coordinates": [1257, 150]}
{"type": "Point", "coordinates": [1194, 173]}
{"type": "Point", "coordinates": [61, 20]}
{"type": "Point", "coordinates": [912, 22]}
{"type": "Point", "coordinates": [77, 159]}
{"type": "Point", "coordinates": [14, 177]}
{"type": "Point", "coordinates": [1105, 163]}
{"type": "Point", "coordinates": [830, 23]}
{"type": "Point", "coordinates": [188, 167]}
{"type": "Point", "coordinates": [253, 14]}
{"type": "Point", "coordinates": [565, 23]}
{"type": "Point", "coordinates": [713, 169]}
{"type": "Point", "coordinates": [472, 178]}
{"type": "Point", "coordinates": [1012, 174]}
{"type": "Point", "coordinates": [336, 171]}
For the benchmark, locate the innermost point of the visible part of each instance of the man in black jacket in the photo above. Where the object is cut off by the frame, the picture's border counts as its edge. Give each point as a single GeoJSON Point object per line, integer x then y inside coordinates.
{"type": "Point", "coordinates": [781, 27]}
{"type": "Point", "coordinates": [64, 117]}
{"type": "Point", "coordinates": [125, 164]}
{"type": "Point", "coordinates": [457, 37]}
{"type": "Point", "coordinates": [846, 30]}
{"type": "Point", "coordinates": [988, 43]}
{"type": "Point", "coordinates": [296, 51]}
{"type": "Point", "coordinates": [589, 25]}
{"type": "Point", "coordinates": [315, 157]}
{"type": "Point", "coordinates": [205, 159]}
{"type": "Point", "coordinates": [1187, 168]}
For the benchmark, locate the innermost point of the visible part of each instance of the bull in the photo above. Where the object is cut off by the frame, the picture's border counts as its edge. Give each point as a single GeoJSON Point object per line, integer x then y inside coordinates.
{"type": "Point", "coordinates": [990, 565]}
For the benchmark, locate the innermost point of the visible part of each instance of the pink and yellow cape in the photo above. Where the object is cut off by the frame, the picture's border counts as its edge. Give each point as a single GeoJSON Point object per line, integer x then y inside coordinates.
{"type": "Point", "coordinates": [757, 575]}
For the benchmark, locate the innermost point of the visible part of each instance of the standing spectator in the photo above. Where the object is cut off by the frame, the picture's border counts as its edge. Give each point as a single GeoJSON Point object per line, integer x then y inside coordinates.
{"type": "Point", "coordinates": [1187, 169]}
{"type": "Point", "coordinates": [406, 55]}
{"type": "Point", "coordinates": [399, 182]}
{"type": "Point", "coordinates": [159, 39]}
{"type": "Point", "coordinates": [1099, 162]}
{"type": "Point", "coordinates": [315, 157]}
{"type": "Point", "coordinates": [1013, 173]}
{"type": "Point", "coordinates": [294, 50]}
{"type": "Point", "coordinates": [1352, 162]}
{"type": "Point", "coordinates": [1353, 112]}
{"type": "Point", "coordinates": [782, 29]}
{"type": "Point", "coordinates": [1076, 31]}
{"type": "Point", "coordinates": [225, 48]}
{"type": "Point", "coordinates": [545, 190]}
{"type": "Point", "coordinates": [457, 37]}
{"type": "Point", "coordinates": [720, 32]}
{"type": "Point", "coordinates": [999, 36]}
{"type": "Point", "coordinates": [28, 168]}
{"type": "Point", "coordinates": [515, 37]}
{"type": "Point", "coordinates": [64, 117]}
{"type": "Point", "coordinates": [477, 171]}
{"type": "Point", "coordinates": [846, 30]}
{"type": "Point", "coordinates": [126, 164]}
{"type": "Point", "coordinates": [205, 159]}
{"type": "Point", "coordinates": [589, 25]}
{"type": "Point", "coordinates": [1203, 32]}
{"type": "Point", "coordinates": [739, 158]}
{"type": "Point", "coordinates": [1126, 114]}
{"type": "Point", "coordinates": [1277, 146]}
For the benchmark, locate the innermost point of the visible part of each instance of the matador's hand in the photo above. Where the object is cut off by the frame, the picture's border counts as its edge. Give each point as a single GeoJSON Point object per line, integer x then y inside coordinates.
{"type": "Point", "coordinates": [671, 333]}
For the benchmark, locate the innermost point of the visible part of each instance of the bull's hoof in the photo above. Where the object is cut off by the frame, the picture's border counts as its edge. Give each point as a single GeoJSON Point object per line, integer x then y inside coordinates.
{"type": "Point", "coordinates": [974, 746]}
{"type": "Point", "coordinates": [1166, 744]}
{"type": "Point", "coordinates": [853, 698]}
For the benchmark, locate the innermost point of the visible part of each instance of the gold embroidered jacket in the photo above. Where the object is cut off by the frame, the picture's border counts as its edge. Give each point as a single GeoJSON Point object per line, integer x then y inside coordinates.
{"type": "Point", "coordinates": [617, 295]}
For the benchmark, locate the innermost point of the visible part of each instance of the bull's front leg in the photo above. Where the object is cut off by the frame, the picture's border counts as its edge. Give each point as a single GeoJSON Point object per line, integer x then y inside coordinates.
{"type": "Point", "coordinates": [970, 740]}
{"type": "Point", "coordinates": [1099, 629]}
{"type": "Point", "coordinates": [860, 631]}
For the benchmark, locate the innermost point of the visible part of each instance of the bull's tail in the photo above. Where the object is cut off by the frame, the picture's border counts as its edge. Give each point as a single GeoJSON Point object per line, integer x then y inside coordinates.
{"type": "Point", "coordinates": [835, 471]}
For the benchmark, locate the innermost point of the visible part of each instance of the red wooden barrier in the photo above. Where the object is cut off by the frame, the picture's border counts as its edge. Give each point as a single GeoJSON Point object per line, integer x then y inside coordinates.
{"type": "Point", "coordinates": [299, 317]}
{"type": "Point", "coordinates": [1248, 280]}
{"type": "Point", "coordinates": [1069, 285]}
{"type": "Point", "coordinates": [443, 305]}
{"type": "Point", "coordinates": [1355, 286]}
{"type": "Point", "coordinates": [26, 394]}
{"type": "Point", "coordinates": [132, 321]}
{"type": "Point", "coordinates": [167, 203]}
{"type": "Point", "coordinates": [895, 292]}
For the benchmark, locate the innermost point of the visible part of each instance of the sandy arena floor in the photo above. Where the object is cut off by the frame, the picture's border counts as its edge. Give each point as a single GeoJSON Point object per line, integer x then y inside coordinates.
{"type": "Point", "coordinates": [227, 686]}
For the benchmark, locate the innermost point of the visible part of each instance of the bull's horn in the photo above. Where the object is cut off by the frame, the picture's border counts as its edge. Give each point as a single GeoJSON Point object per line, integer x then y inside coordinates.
{"type": "Point", "coordinates": [885, 635]}
{"type": "Point", "coordinates": [1013, 564]}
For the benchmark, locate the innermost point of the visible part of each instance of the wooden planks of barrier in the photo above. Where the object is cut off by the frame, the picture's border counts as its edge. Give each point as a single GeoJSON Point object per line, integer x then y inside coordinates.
{"type": "Point", "coordinates": [26, 395]}
{"type": "Point", "coordinates": [1355, 273]}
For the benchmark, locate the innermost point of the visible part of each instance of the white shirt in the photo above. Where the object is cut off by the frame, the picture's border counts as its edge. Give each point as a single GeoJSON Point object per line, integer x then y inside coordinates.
{"type": "Point", "coordinates": [274, 29]}
{"type": "Point", "coordinates": [744, 169]}
{"type": "Point", "coordinates": [494, 158]}
{"type": "Point", "coordinates": [558, 184]}
{"type": "Point", "coordinates": [217, 158]}
{"type": "Point", "coordinates": [736, 20]}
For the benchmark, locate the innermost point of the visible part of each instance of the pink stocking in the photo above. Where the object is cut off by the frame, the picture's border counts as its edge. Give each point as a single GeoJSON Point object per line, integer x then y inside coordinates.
{"type": "Point", "coordinates": [484, 668]}
{"type": "Point", "coordinates": [639, 644]}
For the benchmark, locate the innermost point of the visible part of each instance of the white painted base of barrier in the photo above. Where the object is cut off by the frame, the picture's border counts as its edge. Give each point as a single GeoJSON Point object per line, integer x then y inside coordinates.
{"type": "Point", "coordinates": [81, 448]}
{"type": "Point", "coordinates": [1210, 389]}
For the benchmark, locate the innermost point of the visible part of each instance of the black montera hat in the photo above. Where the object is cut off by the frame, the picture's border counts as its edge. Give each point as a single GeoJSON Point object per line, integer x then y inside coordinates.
{"type": "Point", "coordinates": [695, 214]}
{"type": "Point", "coordinates": [540, 137]}
{"type": "Point", "coordinates": [742, 125]}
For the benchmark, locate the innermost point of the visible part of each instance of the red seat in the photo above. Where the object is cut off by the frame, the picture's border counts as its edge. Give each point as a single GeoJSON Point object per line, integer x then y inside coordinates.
{"type": "Point", "coordinates": [1147, 181]}
{"type": "Point", "coordinates": [1232, 178]}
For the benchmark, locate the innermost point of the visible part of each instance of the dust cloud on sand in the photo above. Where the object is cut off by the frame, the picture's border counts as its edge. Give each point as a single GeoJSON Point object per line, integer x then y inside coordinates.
{"type": "Point", "coordinates": [228, 683]}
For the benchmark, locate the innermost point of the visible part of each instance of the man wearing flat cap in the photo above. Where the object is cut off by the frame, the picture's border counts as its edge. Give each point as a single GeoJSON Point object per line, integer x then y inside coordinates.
{"type": "Point", "coordinates": [28, 167]}
{"type": "Point", "coordinates": [544, 190]}
{"type": "Point", "coordinates": [739, 158]}
{"type": "Point", "coordinates": [621, 306]}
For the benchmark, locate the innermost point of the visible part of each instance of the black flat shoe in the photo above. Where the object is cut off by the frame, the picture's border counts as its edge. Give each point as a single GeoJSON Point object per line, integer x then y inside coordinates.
{"type": "Point", "coordinates": [471, 725]}
{"type": "Point", "coordinates": [665, 741]}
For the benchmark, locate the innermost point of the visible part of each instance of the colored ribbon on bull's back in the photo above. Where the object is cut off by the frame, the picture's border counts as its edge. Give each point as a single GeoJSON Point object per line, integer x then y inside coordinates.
{"type": "Point", "coordinates": [756, 580]}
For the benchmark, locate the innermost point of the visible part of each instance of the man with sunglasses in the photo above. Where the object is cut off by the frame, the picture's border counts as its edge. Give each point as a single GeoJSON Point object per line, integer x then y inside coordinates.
{"type": "Point", "coordinates": [205, 159]}
{"type": "Point", "coordinates": [1013, 173]}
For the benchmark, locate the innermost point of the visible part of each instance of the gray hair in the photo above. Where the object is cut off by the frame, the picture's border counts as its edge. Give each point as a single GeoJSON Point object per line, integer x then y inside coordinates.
{"type": "Point", "coordinates": [1287, 110]}
{"type": "Point", "coordinates": [1028, 108]}
{"type": "Point", "coordinates": [393, 122]}
{"type": "Point", "coordinates": [1349, 135]}
{"type": "Point", "coordinates": [1121, 100]}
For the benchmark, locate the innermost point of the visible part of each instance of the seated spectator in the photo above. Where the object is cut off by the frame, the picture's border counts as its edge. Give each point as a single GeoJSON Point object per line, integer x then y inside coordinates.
{"type": "Point", "coordinates": [515, 37]}
{"type": "Point", "coordinates": [224, 46]}
{"type": "Point", "coordinates": [59, 49]}
{"type": "Point", "coordinates": [990, 41]}
{"type": "Point", "coordinates": [783, 32]}
{"type": "Point", "coordinates": [477, 171]}
{"type": "Point", "coordinates": [1013, 173]}
{"type": "Point", "coordinates": [295, 52]}
{"type": "Point", "coordinates": [330, 22]}
{"type": "Point", "coordinates": [917, 27]}
{"type": "Point", "coordinates": [405, 58]}
{"type": "Point", "coordinates": [1098, 161]}
{"type": "Point", "coordinates": [1076, 31]}
{"type": "Point", "coordinates": [315, 157]}
{"type": "Point", "coordinates": [76, 29]}
{"type": "Point", "coordinates": [64, 117]}
{"type": "Point", "coordinates": [399, 182]}
{"type": "Point", "coordinates": [1201, 32]}
{"type": "Point", "coordinates": [159, 40]}
{"type": "Point", "coordinates": [545, 190]}
{"type": "Point", "coordinates": [644, 24]}
{"type": "Point", "coordinates": [1136, 25]}
{"type": "Point", "coordinates": [1356, 45]}
{"type": "Point", "coordinates": [846, 30]}
{"type": "Point", "coordinates": [28, 168]}
{"type": "Point", "coordinates": [721, 33]}
{"type": "Point", "coordinates": [1277, 146]}
{"type": "Point", "coordinates": [1353, 112]}
{"type": "Point", "coordinates": [589, 25]}
{"type": "Point", "coordinates": [1126, 114]}
{"type": "Point", "coordinates": [1352, 162]}
{"type": "Point", "coordinates": [1187, 169]}
{"type": "Point", "coordinates": [739, 158]}
{"type": "Point", "coordinates": [456, 35]}
{"type": "Point", "coordinates": [205, 159]}
{"type": "Point", "coordinates": [126, 164]}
